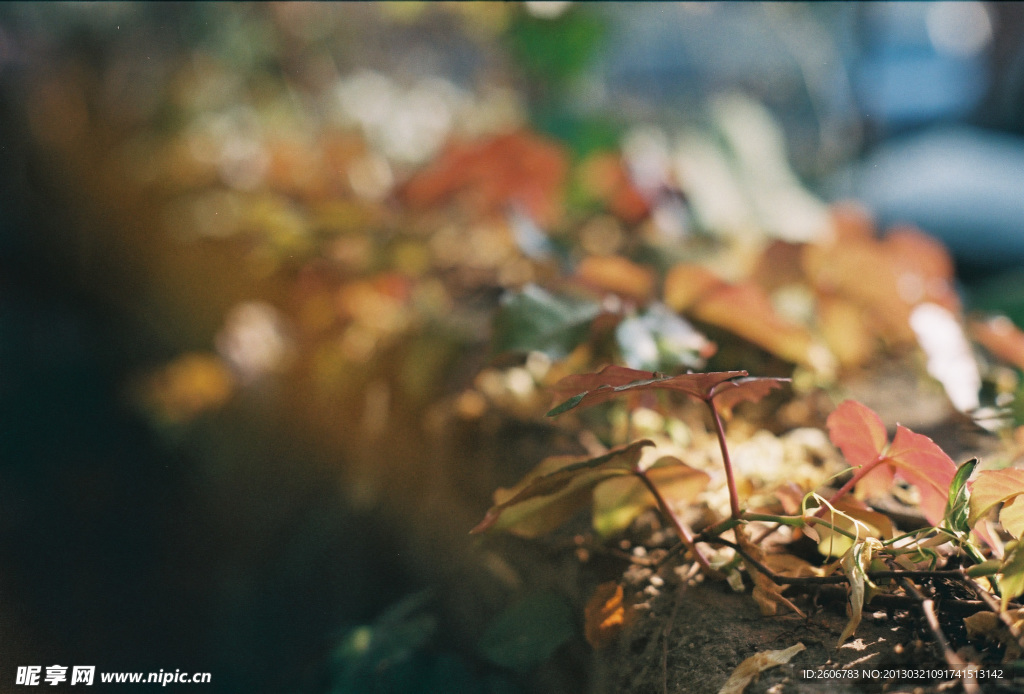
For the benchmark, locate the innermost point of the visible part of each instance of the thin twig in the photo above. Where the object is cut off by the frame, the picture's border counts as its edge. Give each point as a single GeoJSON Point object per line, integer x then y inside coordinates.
{"type": "Point", "coordinates": [954, 661]}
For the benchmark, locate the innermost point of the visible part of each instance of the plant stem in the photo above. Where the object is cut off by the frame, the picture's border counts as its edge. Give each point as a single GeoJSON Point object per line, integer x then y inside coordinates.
{"type": "Point", "coordinates": [734, 501]}
{"type": "Point", "coordinates": [857, 477]}
{"type": "Point", "coordinates": [684, 533]}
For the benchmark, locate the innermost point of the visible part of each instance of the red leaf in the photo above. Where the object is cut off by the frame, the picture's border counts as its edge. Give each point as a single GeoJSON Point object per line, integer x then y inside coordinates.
{"type": "Point", "coordinates": [612, 381]}
{"type": "Point", "coordinates": [914, 458]}
{"type": "Point", "coordinates": [920, 461]}
{"type": "Point", "coordinates": [857, 431]}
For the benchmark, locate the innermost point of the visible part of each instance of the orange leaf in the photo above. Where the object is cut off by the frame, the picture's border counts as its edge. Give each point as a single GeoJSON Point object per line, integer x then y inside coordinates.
{"type": "Point", "coordinates": [606, 615]}
{"type": "Point", "coordinates": [746, 310]}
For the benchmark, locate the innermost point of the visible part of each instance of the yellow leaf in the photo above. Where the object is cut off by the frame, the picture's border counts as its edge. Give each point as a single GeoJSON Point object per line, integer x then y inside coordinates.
{"type": "Point", "coordinates": [753, 666]}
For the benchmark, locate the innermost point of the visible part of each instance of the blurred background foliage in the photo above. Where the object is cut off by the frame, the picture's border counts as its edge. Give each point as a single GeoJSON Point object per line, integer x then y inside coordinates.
{"type": "Point", "coordinates": [282, 286]}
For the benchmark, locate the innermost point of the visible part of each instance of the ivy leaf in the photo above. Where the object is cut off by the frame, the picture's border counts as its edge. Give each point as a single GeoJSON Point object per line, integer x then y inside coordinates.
{"type": "Point", "coordinates": [857, 431]}
{"type": "Point", "coordinates": [556, 491]}
{"type": "Point", "coordinates": [619, 500]}
{"type": "Point", "coordinates": [999, 486]}
{"type": "Point", "coordinates": [611, 381]}
{"type": "Point", "coordinates": [957, 504]}
{"type": "Point", "coordinates": [535, 319]}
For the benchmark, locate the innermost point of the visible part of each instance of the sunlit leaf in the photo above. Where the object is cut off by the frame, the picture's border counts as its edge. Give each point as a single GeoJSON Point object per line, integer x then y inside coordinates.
{"type": "Point", "coordinates": [611, 381]}
{"type": "Point", "coordinates": [528, 632]}
{"type": "Point", "coordinates": [619, 500]}
{"type": "Point", "coordinates": [993, 487]}
{"type": "Point", "coordinates": [914, 458]}
{"type": "Point", "coordinates": [857, 431]}
{"type": "Point", "coordinates": [919, 460]}
{"type": "Point", "coordinates": [605, 615]}
{"type": "Point", "coordinates": [536, 320]}
{"type": "Point", "coordinates": [753, 666]}
{"type": "Point", "coordinates": [558, 489]}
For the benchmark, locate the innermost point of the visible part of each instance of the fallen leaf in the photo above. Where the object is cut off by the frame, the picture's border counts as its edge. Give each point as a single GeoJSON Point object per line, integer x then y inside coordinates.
{"type": "Point", "coordinates": [767, 594]}
{"type": "Point", "coordinates": [605, 615]}
{"type": "Point", "coordinates": [753, 666]}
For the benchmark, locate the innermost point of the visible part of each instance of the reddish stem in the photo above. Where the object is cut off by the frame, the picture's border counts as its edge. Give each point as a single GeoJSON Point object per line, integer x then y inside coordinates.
{"type": "Point", "coordinates": [684, 533]}
{"type": "Point", "coordinates": [734, 499]}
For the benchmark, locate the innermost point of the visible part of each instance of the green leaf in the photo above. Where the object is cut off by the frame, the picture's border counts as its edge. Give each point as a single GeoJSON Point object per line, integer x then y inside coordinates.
{"type": "Point", "coordinates": [528, 632]}
{"type": "Point", "coordinates": [556, 490]}
{"type": "Point", "coordinates": [660, 340]}
{"type": "Point", "coordinates": [1011, 581]}
{"type": "Point", "coordinates": [536, 320]}
{"type": "Point", "coordinates": [957, 505]}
